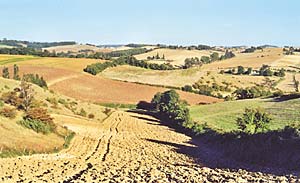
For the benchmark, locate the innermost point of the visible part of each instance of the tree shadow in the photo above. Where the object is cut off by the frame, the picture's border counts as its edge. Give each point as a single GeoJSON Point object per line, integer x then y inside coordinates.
{"type": "Point", "coordinates": [275, 152]}
{"type": "Point", "coordinates": [286, 97]}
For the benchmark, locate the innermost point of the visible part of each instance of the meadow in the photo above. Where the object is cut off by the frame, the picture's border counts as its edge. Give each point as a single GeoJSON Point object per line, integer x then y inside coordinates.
{"type": "Point", "coordinates": [222, 116]}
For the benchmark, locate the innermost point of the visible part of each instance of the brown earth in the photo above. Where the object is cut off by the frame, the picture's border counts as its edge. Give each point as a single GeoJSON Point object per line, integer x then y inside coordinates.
{"type": "Point", "coordinates": [126, 147]}
{"type": "Point", "coordinates": [98, 89]}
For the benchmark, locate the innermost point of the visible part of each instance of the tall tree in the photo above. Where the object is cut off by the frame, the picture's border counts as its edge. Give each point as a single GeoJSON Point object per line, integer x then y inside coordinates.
{"type": "Point", "coordinates": [5, 72]}
{"type": "Point", "coordinates": [16, 73]}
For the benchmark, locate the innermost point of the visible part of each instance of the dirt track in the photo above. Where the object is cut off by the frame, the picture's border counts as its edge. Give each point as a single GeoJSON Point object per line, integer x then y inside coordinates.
{"type": "Point", "coordinates": [126, 147]}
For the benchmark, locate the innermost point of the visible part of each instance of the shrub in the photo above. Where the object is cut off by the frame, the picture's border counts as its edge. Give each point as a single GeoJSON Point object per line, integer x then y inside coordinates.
{"type": "Point", "coordinates": [12, 99]}
{"type": "Point", "coordinates": [35, 79]}
{"type": "Point", "coordinates": [37, 126]}
{"type": "Point", "coordinates": [8, 112]}
{"type": "Point", "coordinates": [82, 112]}
{"type": "Point", "coordinates": [253, 121]}
{"type": "Point", "coordinates": [91, 116]}
{"type": "Point", "coordinates": [187, 88]}
{"type": "Point", "coordinates": [107, 111]}
{"type": "Point", "coordinates": [241, 70]}
{"type": "Point", "coordinates": [39, 114]}
{"type": "Point", "coordinates": [251, 92]}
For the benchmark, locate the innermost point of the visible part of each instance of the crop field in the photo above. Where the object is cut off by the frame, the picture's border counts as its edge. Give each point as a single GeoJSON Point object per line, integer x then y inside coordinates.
{"type": "Point", "coordinates": [14, 59]}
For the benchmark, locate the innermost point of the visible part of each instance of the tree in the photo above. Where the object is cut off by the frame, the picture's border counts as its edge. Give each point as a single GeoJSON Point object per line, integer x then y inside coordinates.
{"type": "Point", "coordinates": [5, 72]}
{"type": "Point", "coordinates": [157, 56]}
{"type": "Point", "coordinates": [280, 73]}
{"type": "Point", "coordinates": [187, 88]}
{"type": "Point", "coordinates": [253, 121]}
{"type": "Point", "coordinates": [205, 59]}
{"type": "Point", "coordinates": [214, 56]}
{"type": "Point", "coordinates": [296, 84]}
{"type": "Point", "coordinates": [265, 71]}
{"type": "Point", "coordinates": [169, 105]}
{"type": "Point", "coordinates": [27, 94]}
{"type": "Point", "coordinates": [241, 70]}
{"type": "Point", "coordinates": [249, 71]}
{"type": "Point", "coordinates": [16, 73]}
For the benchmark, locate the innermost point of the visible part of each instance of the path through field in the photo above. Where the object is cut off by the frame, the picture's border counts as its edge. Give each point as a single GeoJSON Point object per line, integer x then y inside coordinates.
{"type": "Point", "coordinates": [126, 147]}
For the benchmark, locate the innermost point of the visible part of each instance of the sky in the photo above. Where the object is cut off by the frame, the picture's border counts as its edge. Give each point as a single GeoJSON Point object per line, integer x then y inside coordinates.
{"type": "Point", "coordinates": [177, 22]}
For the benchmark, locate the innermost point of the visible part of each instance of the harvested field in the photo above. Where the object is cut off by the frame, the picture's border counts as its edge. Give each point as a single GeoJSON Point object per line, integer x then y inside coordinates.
{"type": "Point", "coordinates": [125, 147]}
{"type": "Point", "coordinates": [255, 60]}
{"type": "Point", "coordinates": [177, 56]}
{"type": "Point", "coordinates": [73, 64]}
{"type": "Point", "coordinates": [76, 48]}
{"type": "Point", "coordinates": [98, 89]}
{"type": "Point", "coordinates": [177, 78]}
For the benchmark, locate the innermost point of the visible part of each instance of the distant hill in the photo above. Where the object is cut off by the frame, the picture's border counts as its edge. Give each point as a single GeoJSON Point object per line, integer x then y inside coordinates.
{"type": "Point", "coordinates": [36, 45]}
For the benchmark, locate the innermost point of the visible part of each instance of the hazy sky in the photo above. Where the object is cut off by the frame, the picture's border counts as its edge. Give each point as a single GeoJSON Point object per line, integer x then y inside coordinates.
{"type": "Point", "coordinates": [213, 22]}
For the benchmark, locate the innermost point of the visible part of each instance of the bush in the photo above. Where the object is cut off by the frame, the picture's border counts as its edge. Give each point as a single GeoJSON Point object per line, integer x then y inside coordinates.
{"type": "Point", "coordinates": [35, 79]}
{"type": "Point", "coordinates": [8, 112]}
{"type": "Point", "coordinates": [37, 126]}
{"type": "Point", "coordinates": [251, 92]}
{"type": "Point", "coordinates": [11, 98]}
{"type": "Point", "coordinates": [253, 121]}
{"type": "Point", "coordinates": [39, 114]}
{"type": "Point", "coordinates": [91, 116]}
{"type": "Point", "coordinates": [187, 88]}
{"type": "Point", "coordinates": [82, 112]}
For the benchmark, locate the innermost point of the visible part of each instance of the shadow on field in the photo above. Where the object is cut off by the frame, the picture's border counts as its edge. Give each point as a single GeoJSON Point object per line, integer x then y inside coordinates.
{"type": "Point", "coordinates": [286, 97]}
{"type": "Point", "coordinates": [275, 152]}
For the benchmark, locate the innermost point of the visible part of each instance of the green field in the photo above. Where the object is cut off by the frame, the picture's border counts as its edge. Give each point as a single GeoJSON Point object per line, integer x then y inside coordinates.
{"type": "Point", "coordinates": [14, 59]}
{"type": "Point", "coordinates": [222, 116]}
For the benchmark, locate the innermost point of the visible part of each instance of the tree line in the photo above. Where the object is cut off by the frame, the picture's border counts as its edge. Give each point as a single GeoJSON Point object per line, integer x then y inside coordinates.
{"type": "Point", "coordinates": [190, 62]}
{"type": "Point", "coordinates": [127, 60]}
{"type": "Point", "coordinates": [35, 45]}
{"type": "Point", "coordinates": [46, 53]}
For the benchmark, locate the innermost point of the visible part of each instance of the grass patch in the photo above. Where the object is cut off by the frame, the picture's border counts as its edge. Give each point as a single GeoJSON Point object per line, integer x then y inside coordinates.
{"type": "Point", "coordinates": [68, 139]}
{"type": "Point", "coordinates": [221, 117]}
{"type": "Point", "coordinates": [14, 153]}
{"type": "Point", "coordinates": [17, 59]}
{"type": "Point", "coordinates": [37, 126]}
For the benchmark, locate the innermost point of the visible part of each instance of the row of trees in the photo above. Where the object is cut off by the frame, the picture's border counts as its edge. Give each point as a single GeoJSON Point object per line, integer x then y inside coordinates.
{"type": "Point", "coordinates": [39, 45]}
{"type": "Point", "coordinates": [157, 57]}
{"type": "Point", "coordinates": [32, 78]}
{"type": "Point", "coordinates": [190, 62]}
{"type": "Point", "coordinates": [265, 70]}
{"type": "Point", "coordinates": [46, 53]}
{"type": "Point", "coordinates": [129, 60]}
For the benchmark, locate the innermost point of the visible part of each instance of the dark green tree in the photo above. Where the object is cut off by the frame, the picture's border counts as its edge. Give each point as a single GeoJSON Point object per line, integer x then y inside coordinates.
{"type": "Point", "coordinates": [241, 70]}
{"type": "Point", "coordinates": [5, 72]}
{"type": "Point", "coordinates": [16, 72]}
{"type": "Point", "coordinates": [254, 121]}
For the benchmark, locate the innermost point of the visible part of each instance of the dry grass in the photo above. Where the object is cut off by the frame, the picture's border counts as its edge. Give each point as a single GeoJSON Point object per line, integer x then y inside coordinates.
{"type": "Point", "coordinates": [175, 78]}
{"type": "Point", "coordinates": [255, 60]}
{"type": "Point", "coordinates": [76, 48]}
{"type": "Point", "coordinates": [73, 64]}
{"type": "Point", "coordinates": [177, 56]}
